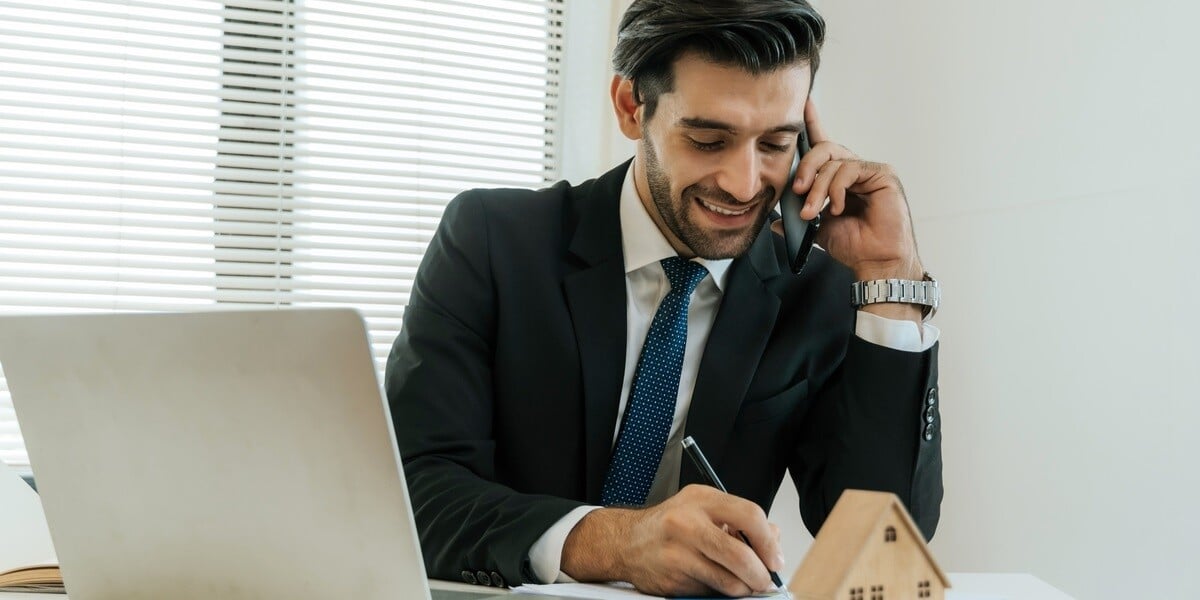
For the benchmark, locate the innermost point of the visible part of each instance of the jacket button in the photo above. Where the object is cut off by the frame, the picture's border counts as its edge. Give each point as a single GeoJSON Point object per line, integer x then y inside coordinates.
{"type": "Point", "coordinates": [929, 415]}
{"type": "Point", "coordinates": [468, 577]}
{"type": "Point", "coordinates": [483, 578]}
{"type": "Point", "coordinates": [931, 398]}
{"type": "Point", "coordinates": [929, 432]}
{"type": "Point", "coordinates": [497, 580]}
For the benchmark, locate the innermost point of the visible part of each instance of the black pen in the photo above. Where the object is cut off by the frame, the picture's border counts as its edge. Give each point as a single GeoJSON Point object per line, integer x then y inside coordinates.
{"type": "Point", "coordinates": [693, 451]}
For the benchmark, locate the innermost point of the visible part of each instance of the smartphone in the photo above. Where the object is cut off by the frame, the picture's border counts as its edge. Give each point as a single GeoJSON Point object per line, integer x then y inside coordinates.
{"type": "Point", "coordinates": [798, 234]}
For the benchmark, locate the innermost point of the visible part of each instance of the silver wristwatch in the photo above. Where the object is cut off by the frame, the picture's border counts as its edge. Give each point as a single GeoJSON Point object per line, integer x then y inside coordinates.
{"type": "Point", "coordinates": [926, 292]}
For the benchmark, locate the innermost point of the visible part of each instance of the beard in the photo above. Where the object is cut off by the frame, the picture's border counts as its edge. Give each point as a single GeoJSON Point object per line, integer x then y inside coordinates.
{"type": "Point", "coordinates": [676, 214]}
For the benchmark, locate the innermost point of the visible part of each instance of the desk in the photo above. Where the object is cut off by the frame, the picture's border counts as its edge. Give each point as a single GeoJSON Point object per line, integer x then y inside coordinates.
{"type": "Point", "coordinates": [992, 586]}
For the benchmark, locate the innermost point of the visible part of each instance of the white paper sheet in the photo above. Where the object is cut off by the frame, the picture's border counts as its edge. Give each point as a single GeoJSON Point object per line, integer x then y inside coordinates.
{"type": "Point", "coordinates": [624, 591]}
{"type": "Point", "coordinates": [599, 591]}
{"type": "Point", "coordinates": [26, 539]}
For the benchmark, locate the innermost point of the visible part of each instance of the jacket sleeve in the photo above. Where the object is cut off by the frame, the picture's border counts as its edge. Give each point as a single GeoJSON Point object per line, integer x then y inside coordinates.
{"type": "Point", "coordinates": [439, 390]}
{"type": "Point", "coordinates": [874, 424]}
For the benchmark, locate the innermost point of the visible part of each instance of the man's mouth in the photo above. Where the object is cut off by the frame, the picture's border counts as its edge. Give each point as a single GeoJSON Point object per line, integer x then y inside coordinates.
{"type": "Point", "coordinates": [724, 211]}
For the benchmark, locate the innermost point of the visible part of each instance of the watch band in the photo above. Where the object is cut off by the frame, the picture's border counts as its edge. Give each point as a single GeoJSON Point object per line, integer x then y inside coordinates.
{"type": "Point", "coordinates": [926, 292]}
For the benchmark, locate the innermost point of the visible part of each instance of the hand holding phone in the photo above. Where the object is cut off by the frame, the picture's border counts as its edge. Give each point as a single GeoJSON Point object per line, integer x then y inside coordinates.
{"type": "Point", "coordinates": [799, 234]}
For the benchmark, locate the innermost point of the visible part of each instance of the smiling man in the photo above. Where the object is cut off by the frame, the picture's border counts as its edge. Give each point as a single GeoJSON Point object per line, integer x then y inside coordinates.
{"type": "Point", "coordinates": [727, 140]}
{"type": "Point", "coordinates": [559, 344]}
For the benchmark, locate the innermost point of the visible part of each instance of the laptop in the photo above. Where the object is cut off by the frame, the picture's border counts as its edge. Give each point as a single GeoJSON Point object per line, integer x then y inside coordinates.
{"type": "Point", "coordinates": [233, 454]}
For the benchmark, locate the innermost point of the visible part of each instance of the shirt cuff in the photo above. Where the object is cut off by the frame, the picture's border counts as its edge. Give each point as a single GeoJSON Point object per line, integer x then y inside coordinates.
{"type": "Point", "coordinates": [897, 334]}
{"type": "Point", "coordinates": [545, 555]}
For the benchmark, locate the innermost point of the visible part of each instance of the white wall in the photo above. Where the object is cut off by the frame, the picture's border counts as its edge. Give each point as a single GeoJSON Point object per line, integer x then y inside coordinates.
{"type": "Point", "coordinates": [590, 141]}
{"type": "Point", "coordinates": [1049, 151]}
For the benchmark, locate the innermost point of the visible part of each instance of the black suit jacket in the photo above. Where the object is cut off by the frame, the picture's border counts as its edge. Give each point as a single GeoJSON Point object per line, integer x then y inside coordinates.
{"type": "Point", "coordinates": [505, 380]}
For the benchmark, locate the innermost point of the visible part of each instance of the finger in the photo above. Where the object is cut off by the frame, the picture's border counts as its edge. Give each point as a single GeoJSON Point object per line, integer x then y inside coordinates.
{"type": "Point", "coordinates": [761, 535]}
{"type": "Point", "coordinates": [697, 588]}
{"type": "Point", "coordinates": [847, 175]}
{"type": "Point", "coordinates": [752, 549]}
{"type": "Point", "coordinates": [678, 578]}
{"type": "Point", "coordinates": [767, 549]}
{"type": "Point", "coordinates": [812, 122]}
{"type": "Point", "coordinates": [816, 158]}
{"type": "Point", "coordinates": [733, 563]}
{"type": "Point", "coordinates": [777, 538]}
{"type": "Point", "coordinates": [729, 516]}
{"type": "Point", "coordinates": [710, 575]}
{"type": "Point", "coordinates": [819, 192]}
{"type": "Point", "coordinates": [874, 177]}
{"type": "Point", "coordinates": [681, 583]}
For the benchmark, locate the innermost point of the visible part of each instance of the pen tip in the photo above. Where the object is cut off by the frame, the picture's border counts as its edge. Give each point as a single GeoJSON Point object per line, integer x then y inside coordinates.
{"type": "Point", "coordinates": [687, 441]}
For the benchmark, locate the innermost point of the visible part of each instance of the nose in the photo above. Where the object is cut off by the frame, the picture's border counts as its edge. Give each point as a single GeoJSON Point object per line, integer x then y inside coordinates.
{"type": "Point", "coordinates": [741, 174]}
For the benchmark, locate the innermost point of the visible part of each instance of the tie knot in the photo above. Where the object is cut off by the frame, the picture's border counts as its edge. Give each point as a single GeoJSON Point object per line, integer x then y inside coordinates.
{"type": "Point", "coordinates": [684, 275]}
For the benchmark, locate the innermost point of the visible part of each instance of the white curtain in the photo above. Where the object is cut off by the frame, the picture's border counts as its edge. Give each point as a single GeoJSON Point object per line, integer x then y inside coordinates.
{"type": "Point", "coordinates": [162, 155]}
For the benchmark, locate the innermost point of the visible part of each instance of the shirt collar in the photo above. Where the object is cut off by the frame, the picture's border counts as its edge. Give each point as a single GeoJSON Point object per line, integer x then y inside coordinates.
{"type": "Point", "coordinates": [643, 243]}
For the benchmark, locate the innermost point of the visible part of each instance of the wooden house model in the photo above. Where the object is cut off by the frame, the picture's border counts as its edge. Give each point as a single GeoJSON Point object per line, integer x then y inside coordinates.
{"type": "Point", "coordinates": [868, 549]}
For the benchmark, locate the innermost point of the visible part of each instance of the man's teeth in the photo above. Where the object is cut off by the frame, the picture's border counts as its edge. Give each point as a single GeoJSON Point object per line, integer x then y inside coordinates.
{"type": "Point", "coordinates": [724, 211]}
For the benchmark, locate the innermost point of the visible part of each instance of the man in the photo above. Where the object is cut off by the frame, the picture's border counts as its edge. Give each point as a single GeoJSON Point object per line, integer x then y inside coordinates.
{"type": "Point", "coordinates": [560, 343]}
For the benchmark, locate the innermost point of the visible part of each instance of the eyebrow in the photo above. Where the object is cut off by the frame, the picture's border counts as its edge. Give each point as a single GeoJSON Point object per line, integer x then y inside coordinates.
{"type": "Point", "coordinates": [702, 123]}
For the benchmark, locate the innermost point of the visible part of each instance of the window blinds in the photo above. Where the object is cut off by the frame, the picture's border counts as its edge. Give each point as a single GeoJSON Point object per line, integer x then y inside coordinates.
{"type": "Point", "coordinates": [162, 155]}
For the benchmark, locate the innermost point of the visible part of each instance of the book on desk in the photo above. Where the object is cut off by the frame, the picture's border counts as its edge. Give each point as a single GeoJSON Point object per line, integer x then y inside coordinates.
{"type": "Point", "coordinates": [27, 559]}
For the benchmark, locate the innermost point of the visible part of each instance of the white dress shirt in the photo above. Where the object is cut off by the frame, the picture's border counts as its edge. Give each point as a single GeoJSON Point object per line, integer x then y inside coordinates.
{"type": "Point", "coordinates": [646, 285]}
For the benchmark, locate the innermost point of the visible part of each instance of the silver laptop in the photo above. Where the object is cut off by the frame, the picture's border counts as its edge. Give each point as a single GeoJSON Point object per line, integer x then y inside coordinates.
{"type": "Point", "coordinates": [214, 455]}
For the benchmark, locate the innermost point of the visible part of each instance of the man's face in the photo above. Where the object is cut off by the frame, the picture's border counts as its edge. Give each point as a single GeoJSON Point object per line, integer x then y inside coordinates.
{"type": "Point", "coordinates": [715, 155]}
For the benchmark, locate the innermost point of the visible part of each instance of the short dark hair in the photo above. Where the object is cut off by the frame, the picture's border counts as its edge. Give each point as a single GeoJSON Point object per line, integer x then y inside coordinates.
{"type": "Point", "coordinates": [756, 35]}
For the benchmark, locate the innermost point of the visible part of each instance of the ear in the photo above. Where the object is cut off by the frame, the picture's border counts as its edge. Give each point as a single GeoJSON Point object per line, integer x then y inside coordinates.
{"type": "Point", "coordinates": [628, 111]}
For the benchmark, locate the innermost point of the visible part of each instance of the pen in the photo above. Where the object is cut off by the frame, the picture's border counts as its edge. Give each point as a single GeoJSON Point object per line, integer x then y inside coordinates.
{"type": "Point", "coordinates": [693, 451]}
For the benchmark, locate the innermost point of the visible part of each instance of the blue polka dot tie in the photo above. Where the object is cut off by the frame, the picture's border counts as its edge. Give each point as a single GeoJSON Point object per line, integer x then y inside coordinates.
{"type": "Point", "coordinates": [651, 406]}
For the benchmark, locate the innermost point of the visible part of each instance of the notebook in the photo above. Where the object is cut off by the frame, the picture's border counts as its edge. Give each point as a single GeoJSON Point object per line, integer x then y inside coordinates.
{"type": "Point", "coordinates": [229, 454]}
{"type": "Point", "coordinates": [27, 561]}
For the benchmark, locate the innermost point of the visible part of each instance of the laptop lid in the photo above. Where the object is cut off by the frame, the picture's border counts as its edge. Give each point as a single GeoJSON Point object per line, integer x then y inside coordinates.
{"type": "Point", "coordinates": [213, 455]}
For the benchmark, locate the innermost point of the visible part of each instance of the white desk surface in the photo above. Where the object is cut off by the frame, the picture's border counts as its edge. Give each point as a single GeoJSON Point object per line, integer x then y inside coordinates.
{"type": "Point", "coordinates": [989, 586]}
{"type": "Point", "coordinates": [992, 586]}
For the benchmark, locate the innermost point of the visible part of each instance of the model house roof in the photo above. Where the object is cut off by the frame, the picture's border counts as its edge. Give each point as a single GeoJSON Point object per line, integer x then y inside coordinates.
{"type": "Point", "coordinates": [845, 536]}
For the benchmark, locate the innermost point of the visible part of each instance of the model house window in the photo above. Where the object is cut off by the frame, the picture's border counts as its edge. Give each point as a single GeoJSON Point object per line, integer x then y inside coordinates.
{"type": "Point", "coordinates": [856, 594]}
{"type": "Point", "coordinates": [166, 155]}
{"type": "Point", "coordinates": [923, 589]}
{"type": "Point", "coordinates": [889, 534]}
{"type": "Point", "coordinates": [877, 592]}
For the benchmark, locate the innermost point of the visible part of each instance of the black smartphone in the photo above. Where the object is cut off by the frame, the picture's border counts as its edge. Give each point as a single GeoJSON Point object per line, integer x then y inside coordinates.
{"type": "Point", "coordinates": [798, 234]}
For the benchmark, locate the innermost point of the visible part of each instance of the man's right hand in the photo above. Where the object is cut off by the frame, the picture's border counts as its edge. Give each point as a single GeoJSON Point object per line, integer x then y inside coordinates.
{"type": "Point", "coordinates": [687, 545]}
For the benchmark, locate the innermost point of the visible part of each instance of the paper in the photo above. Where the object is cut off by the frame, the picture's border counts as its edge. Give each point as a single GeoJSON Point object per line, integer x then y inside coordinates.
{"type": "Point", "coordinates": [26, 540]}
{"type": "Point", "coordinates": [599, 591]}
{"type": "Point", "coordinates": [951, 594]}
{"type": "Point", "coordinates": [619, 591]}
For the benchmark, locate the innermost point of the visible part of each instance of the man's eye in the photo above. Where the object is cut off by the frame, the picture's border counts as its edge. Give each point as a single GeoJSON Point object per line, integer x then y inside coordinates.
{"type": "Point", "coordinates": [768, 146]}
{"type": "Point", "coordinates": [705, 146]}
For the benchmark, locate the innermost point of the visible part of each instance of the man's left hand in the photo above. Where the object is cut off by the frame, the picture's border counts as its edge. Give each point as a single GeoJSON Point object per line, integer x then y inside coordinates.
{"type": "Point", "coordinates": [867, 225]}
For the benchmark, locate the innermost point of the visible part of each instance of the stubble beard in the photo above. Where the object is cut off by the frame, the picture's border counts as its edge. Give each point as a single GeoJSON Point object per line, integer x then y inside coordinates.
{"type": "Point", "coordinates": [675, 213]}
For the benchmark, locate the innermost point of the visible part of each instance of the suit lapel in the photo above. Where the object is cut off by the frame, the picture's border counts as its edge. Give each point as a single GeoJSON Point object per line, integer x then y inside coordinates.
{"type": "Point", "coordinates": [595, 293]}
{"type": "Point", "coordinates": [739, 334]}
